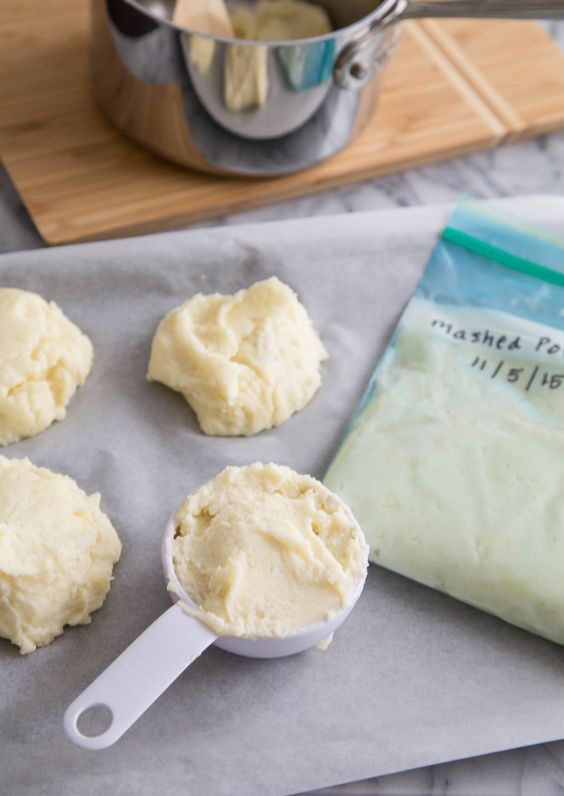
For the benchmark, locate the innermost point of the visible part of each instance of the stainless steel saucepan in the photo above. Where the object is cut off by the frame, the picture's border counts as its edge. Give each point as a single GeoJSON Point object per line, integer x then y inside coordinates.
{"type": "Point", "coordinates": [165, 86]}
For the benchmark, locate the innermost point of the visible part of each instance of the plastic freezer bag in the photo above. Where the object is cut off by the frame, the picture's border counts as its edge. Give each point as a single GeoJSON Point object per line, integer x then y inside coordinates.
{"type": "Point", "coordinates": [454, 461]}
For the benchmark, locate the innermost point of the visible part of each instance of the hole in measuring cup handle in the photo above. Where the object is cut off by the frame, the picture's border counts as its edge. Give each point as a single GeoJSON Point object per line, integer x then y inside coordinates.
{"type": "Point", "coordinates": [95, 720]}
{"type": "Point", "coordinates": [99, 739]}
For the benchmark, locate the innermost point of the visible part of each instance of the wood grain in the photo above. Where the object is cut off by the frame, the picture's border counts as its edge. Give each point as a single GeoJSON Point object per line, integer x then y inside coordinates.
{"type": "Point", "coordinates": [81, 180]}
{"type": "Point", "coordinates": [515, 67]}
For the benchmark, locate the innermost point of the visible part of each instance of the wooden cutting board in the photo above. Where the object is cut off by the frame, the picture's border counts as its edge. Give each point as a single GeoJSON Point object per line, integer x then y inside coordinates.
{"type": "Point", "coordinates": [453, 87]}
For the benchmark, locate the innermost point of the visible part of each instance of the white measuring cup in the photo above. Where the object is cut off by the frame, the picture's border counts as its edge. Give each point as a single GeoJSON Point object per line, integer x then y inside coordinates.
{"type": "Point", "coordinates": [161, 653]}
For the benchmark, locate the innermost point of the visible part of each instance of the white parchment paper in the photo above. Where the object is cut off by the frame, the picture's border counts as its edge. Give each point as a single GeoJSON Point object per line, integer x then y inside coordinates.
{"type": "Point", "coordinates": [412, 678]}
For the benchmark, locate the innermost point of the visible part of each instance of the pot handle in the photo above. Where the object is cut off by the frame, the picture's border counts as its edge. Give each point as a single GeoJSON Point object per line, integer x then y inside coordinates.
{"type": "Point", "coordinates": [360, 58]}
{"type": "Point", "coordinates": [480, 9]}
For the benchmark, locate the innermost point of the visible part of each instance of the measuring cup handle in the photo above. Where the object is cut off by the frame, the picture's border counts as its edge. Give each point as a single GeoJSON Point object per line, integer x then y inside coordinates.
{"type": "Point", "coordinates": [140, 674]}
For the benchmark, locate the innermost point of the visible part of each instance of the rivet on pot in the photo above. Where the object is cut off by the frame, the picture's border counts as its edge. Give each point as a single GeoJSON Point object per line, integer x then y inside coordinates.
{"type": "Point", "coordinates": [359, 71]}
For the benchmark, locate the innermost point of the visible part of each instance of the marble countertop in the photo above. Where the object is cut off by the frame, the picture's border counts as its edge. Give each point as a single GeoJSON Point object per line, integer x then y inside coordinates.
{"type": "Point", "coordinates": [530, 167]}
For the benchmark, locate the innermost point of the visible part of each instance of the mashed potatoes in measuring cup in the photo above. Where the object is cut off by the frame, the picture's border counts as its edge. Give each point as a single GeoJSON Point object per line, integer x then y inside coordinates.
{"type": "Point", "coordinates": [263, 551]}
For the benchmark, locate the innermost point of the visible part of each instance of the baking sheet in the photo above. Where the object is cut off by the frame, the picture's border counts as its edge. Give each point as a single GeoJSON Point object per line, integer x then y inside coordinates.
{"type": "Point", "coordinates": [412, 678]}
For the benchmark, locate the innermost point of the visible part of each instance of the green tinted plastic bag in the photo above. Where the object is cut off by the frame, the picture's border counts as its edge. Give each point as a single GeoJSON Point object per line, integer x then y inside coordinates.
{"type": "Point", "coordinates": [454, 460]}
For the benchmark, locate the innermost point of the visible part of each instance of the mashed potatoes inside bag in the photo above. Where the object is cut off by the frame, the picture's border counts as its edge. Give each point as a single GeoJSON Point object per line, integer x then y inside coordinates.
{"type": "Point", "coordinates": [453, 463]}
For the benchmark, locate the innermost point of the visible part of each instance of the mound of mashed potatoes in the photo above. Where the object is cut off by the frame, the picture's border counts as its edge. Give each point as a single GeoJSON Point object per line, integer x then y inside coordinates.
{"type": "Point", "coordinates": [245, 362]}
{"type": "Point", "coordinates": [43, 359]}
{"type": "Point", "coordinates": [57, 551]}
{"type": "Point", "coordinates": [264, 551]}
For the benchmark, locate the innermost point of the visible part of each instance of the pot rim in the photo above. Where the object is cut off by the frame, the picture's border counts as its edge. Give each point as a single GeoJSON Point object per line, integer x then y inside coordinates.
{"type": "Point", "coordinates": [382, 10]}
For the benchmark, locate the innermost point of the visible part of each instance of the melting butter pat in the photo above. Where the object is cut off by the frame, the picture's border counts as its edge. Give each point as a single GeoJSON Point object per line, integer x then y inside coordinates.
{"type": "Point", "coordinates": [246, 65]}
{"type": "Point", "coordinates": [57, 551]}
{"type": "Point", "coordinates": [245, 362]}
{"type": "Point", "coordinates": [246, 77]}
{"type": "Point", "coordinates": [43, 359]}
{"type": "Point", "coordinates": [263, 551]}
